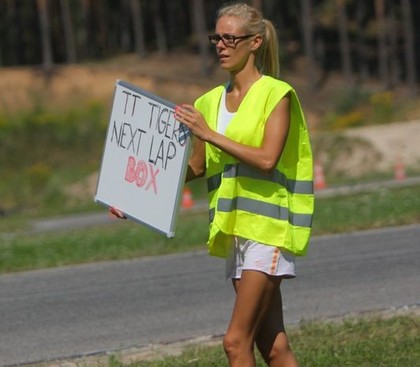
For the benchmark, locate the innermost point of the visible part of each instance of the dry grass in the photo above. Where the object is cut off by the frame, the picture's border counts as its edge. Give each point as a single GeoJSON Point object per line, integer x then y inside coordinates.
{"type": "Point", "coordinates": [177, 77]}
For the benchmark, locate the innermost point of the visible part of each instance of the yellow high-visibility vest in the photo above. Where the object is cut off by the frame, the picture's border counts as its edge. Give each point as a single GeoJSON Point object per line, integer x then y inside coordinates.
{"type": "Point", "coordinates": [274, 209]}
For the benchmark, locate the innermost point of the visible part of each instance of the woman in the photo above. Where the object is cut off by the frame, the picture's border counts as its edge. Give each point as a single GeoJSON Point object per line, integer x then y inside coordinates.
{"type": "Point", "coordinates": [252, 143]}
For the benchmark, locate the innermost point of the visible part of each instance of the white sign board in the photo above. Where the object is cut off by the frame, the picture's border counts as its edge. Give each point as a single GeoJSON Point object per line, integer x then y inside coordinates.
{"type": "Point", "coordinates": [144, 160]}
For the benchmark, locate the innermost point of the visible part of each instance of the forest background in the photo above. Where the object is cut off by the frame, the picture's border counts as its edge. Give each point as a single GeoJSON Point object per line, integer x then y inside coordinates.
{"type": "Point", "coordinates": [362, 39]}
{"type": "Point", "coordinates": [353, 62]}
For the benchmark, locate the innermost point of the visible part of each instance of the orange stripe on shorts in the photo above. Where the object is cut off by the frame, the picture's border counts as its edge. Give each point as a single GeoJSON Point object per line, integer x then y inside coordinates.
{"type": "Point", "coordinates": [274, 261]}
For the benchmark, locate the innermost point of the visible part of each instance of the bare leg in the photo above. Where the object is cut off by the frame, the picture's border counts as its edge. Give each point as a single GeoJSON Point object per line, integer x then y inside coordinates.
{"type": "Point", "coordinates": [272, 340]}
{"type": "Point", "coordinates": [254, 296]}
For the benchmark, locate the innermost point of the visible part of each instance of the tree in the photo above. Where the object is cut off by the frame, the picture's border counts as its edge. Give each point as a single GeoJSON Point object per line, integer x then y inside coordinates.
{"type": "Point", "coordinates": [101, 30]}
{"type": "Point", "coordinates": [47, 59]}
{"type": "Point", "coordinates": [161, 41]}
{"type": "Point", "coordinates": [137, 19]}
{"type": "Point", "coordinates": [377, 38]}
{"type": "Point", "coordinates": [410, 58]}
{"type": "Point", "coordinates": [361, 40]}
{"type": "Point", "coordinates": [200, 35]}
{"type": "Point", "coordinates": [124, 39]}
{"type": "Point", "coordinates": [344, 40]}
{"type": "Point", "coordinates": [381, 36]}
{"type": "Point", "coordinates": [308, 39]}
{"type": "Point", "coordinates": [394, 64]}
{"type": "Point", "coordinates": [84, 28]}
{"type": "Point", "coordinates": [68, 31]}
{"type": "Point", "coordinates": [9, 41]}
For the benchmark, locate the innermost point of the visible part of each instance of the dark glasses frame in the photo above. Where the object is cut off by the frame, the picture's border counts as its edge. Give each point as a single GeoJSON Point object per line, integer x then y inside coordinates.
{"type": "Point", "coordinates": [227, 39]}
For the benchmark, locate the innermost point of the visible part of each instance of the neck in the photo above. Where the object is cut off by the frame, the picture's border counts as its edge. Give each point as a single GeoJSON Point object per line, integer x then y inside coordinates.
{"type": "Point", "coordinates": [242, 80]}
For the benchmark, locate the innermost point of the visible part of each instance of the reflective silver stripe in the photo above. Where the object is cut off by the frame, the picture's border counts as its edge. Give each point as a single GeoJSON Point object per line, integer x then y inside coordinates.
{"type": "Point", "coordinates": [293, 186]}
{"type": "Point", "coordinates": [265, 209]}
{"type": "Point", "coordinates": [243, 170]}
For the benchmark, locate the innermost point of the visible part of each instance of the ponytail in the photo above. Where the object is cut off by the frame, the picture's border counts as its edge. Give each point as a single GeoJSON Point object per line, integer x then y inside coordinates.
{"type": "Point", "coordinates": [268, 54]}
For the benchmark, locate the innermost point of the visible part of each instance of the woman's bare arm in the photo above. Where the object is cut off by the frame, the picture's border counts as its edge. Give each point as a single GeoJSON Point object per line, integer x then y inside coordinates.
{"type": "Point", "coordinates": [197, 161]}
{"type": "Point", "coordinates": [264, 158]}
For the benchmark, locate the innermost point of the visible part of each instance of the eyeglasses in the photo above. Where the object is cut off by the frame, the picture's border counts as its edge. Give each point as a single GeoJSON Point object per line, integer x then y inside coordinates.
{"type": "Point", "coordinates": [227, 39]}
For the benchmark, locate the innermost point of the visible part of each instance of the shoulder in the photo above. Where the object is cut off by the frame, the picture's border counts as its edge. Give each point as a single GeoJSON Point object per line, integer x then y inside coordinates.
{"type": "Point", "coordinates": [275, 90]}
{"type": "Point", "coordinates": [275, 85]}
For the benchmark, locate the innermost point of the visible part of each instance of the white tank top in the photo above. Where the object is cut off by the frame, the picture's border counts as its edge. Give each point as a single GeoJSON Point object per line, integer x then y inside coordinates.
{"type": "Point", "coordinates": [224, 115]}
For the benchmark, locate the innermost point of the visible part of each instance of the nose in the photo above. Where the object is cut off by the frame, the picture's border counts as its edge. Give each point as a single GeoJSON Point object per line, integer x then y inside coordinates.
{"type": "Point", "coordinates": [220, 43]}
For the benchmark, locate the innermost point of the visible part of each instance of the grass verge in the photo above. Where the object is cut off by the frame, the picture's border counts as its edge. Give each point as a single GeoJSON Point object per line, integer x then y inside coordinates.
{"type": "Point", "coordinates": [125, 239]}
{"type": "Point", "coordinates": [364, 342]}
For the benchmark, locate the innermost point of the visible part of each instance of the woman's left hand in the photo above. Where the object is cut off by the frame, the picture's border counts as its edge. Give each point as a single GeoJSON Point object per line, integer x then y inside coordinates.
{"type": "Point", "coordinates": [194, 120]}
{"type": "Point", "coordinates": [116, 212]}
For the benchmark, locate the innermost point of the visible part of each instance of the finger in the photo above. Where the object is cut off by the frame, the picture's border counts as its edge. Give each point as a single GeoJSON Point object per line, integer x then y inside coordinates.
{"type": "Point", "coordinates": [117, 213]}
{"type": "Point", "coordinates": [184, 113]}
{"type": "Point", "coordinates": [187, 106]}
{"type": "Point", "coordinates": [113, 211]}
{"type": "Point", "coordinates": [188, 109]}
{"type": "Point", "coordinates": [179, 113]}
{"type": "Point", "coordinates": [182, 118]}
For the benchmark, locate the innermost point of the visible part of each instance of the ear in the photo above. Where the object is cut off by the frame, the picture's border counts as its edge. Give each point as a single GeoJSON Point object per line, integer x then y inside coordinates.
{"type": "Point", "coordinates": [256, 42]}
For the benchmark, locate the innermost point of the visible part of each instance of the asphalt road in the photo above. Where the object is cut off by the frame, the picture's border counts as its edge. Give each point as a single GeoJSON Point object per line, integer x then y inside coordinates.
{"type": "Point", "coordinates": [72, 311]}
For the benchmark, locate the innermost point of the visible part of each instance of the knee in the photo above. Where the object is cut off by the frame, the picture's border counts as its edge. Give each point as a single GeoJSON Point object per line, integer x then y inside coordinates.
{"type": "Point", "coordinates": [280, 349]}
{"type": "Point", "coordinates": [233, 345]}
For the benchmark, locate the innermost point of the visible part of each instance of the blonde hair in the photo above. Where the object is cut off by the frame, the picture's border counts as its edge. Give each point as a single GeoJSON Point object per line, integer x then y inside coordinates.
{"type": "Point", "coordinates": [267, 55]}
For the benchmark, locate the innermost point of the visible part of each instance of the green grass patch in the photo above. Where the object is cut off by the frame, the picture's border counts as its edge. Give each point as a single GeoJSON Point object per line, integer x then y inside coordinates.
{"type": "Point", "coordinates": [378, 208]}
{"type": "Point", "coordinates": [43, 150]}
{"type": "Point", "coordinates": [121, 240]}
{"type": "Point", "coordinates": [376, 342]}
{"type": "Point", "coordinates": [126, 239]}
{"type": "Point", "coordinates": [362, 343]}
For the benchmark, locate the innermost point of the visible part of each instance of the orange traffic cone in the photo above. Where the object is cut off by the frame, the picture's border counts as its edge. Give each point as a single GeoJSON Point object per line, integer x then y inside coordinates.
{"type": "Point", "coordinates": [319, 177]}
{"type": "Point", "coordinates": [399, 170]}
{"type": "Point", "coordinates": [187, 200]}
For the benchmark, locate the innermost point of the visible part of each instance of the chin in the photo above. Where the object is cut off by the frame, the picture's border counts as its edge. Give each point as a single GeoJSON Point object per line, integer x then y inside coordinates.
{"type": "Point", "coordinates": [224, 65]}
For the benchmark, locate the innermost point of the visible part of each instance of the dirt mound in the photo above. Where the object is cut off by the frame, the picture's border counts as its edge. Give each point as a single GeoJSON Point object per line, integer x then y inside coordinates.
{"type": "Point", "coordinates": [362, 151]}
{"type": "Point", "coordinates": [395, 143]}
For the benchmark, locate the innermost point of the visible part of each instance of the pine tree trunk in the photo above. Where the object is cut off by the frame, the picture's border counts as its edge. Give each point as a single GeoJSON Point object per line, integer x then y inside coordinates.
{"type": "Point", "coordinates": [410, 58]}
{"type": "Point", "coordinates": [137, 18]}
{"type": "Point", "coordinates": [394, 65]}
{"type": "Point", "coordinates": [100, 13]}
{"type": "Point", "coordinates": [47, 60]}
{"type": "Point", "coordinates": [124, 40]}
{"type": "Point", "coordinates": [161, 41]}
{"type": "Point", "coordinates": [308, 40]}
{"type": "Point", "coordinates": [382, 47]}
{"type": "Point", "coordinates": [199, 22]}
{"type": "Point", "coordinates": [84, 29]}
{"type": "Point", "coordinates": [344, 40]}
{"type": "Point", "coordinates": [360, 41]}
{"type": "Point", "coordinates": [68, 31]}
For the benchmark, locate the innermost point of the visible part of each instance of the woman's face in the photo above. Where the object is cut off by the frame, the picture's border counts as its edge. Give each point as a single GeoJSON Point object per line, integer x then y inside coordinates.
{"type": "Point", "coordinates": [233, 54]}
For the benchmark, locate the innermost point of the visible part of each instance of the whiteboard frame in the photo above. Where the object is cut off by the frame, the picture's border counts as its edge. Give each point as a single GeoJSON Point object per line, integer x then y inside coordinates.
{"type": "Point", "coordinates": [169, 230]}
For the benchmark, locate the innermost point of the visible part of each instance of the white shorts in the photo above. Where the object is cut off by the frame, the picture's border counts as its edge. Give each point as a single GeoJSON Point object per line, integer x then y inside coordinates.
{"type": "Point", "coordinates": [251, 255]}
